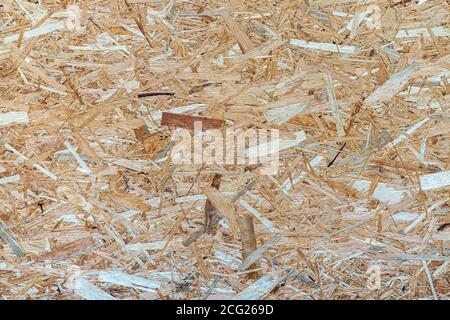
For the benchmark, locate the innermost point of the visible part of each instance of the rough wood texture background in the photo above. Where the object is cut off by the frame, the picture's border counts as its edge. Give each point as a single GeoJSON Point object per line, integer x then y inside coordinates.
{"type": "Point", "coordinates": [92, 207]}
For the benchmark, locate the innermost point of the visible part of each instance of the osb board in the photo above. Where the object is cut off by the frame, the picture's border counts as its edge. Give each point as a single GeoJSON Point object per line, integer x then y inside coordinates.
{"type": "Point", "coordinates": [93, 208]}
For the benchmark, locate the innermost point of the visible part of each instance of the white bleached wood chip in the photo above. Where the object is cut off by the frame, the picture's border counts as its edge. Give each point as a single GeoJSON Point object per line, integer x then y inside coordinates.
{"type": "Point", "coordinates": [413, 257]}
{"type": "Point", "coordinates": [199, 197]}
{"type": "Point", "coordinates": [275, 145]}
{"type": "Point", "coordinates": [436, 180]}
{"type": "Point", "coordinates": [227, 258]}
{"type": "Point", "coordinates": [340, 14]}
{"type": "Point", "coordinates": [98, 47]}
{"type": "Point", "coordinates": [390, 87]}
{"type": "Point", "coordinates": [255, 255]}
{"type": "Point", "coordinates": [39, 31]}
{"type": "Point", "coordinates": [128, 280]}
{"type": "Point", "coordinates": [423, 215]}
{"type": "Point", "coordinates": [9, 179]}
{"type": "Point", "coordinates": [415, 223]}
{"type": "Point", "coordinates": [135, 165]}
{"type": "Point", "coordinates": [4, 266]}
{"type": "Point", "coordinates": [354, 23]}
{"type": "Point", "coordinates": [88, 291]}
{"type": "Point", "coordinates": [84, 168]}
{"type": "Point", "coordinates": [9, 238]}
{"type": "Point", "coordinates": [362, 215]}
{"type": "Point", "coordinates": [429, 278]}
{"type": "Point", "coordinates": [45, 171]}
{"type": "Point", "coordinates": [405, 216]}
{"type": "Point", "coordinates": [441, 269]}
{"type": "Point", "coordinates": [259, 288]}
{"type": "Point", "coordinates": [410, 130]}
{"type": "Point", "coordinates": [383, 192]}
{"type": "Point", "coordinates": [416, 32]}
{"type": "Point", "coordinates": [334, 106]}
{"type": "Point", "coordinates": [330, 47]}
{"type": "Point", "coordinates": [283, 114]}
{"type": "Point", "coordinates": [9, 118]}
{"type": "Point", "coordinates": [157, 245]}
{"type": "Point", "coordinates": [257, 215]}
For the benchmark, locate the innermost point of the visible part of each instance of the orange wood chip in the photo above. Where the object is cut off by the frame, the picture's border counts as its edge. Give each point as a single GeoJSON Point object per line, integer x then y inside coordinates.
{"type": "Point", "coordinates": [184, 121]}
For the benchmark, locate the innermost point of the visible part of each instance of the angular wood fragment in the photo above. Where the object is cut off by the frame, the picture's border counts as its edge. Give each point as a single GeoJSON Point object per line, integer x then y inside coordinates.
{"type": "Point", "coordinates": [283, 114]}
{"type": "Point", "coordinates": [257, 215]}
{"type": "Point", "coordinates": [255, 255]}
{"type": "Point", "coordinates": [223, 206]}
{"type": "Point", "coordinates": [128, 280]}
{"type": "Point", "coordinates": [44, 29]}
{"type": "Point", "coordinates": [391, 87]}
{"type": "Point", "coordinates": [64, 250]}
{"type": "Point", "coordinates": [249, 245]}
{"type": "Point", "coordinates": [88, 291]}
{"type": "Point", "coordinates": [11, 240]}
{"type": "Point", "coordinates": [212, 215]}
{"type": "Point", "coordinates": [259, 288]}
{"type": "Point", "coordinates": [173, 120]}
{"type": "Point", "coordinates": [345, 49]}
{"type": "Point", "coordinates": [334, 107]}
{"type": "Point", "coordinates": [258, 51]}
{"type": "Point", "coordinates": [416, 32]}
{"type": "Point", "coordinates": [235, 31]}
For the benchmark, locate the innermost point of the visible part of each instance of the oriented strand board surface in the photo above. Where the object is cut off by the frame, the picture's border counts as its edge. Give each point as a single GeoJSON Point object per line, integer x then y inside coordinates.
{"type": "Point", "coordinates": [92, 206]}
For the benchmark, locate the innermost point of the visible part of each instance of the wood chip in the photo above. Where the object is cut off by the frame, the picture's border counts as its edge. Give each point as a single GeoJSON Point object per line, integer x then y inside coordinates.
{"type": "Point", "coordinates": [188, 122]}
